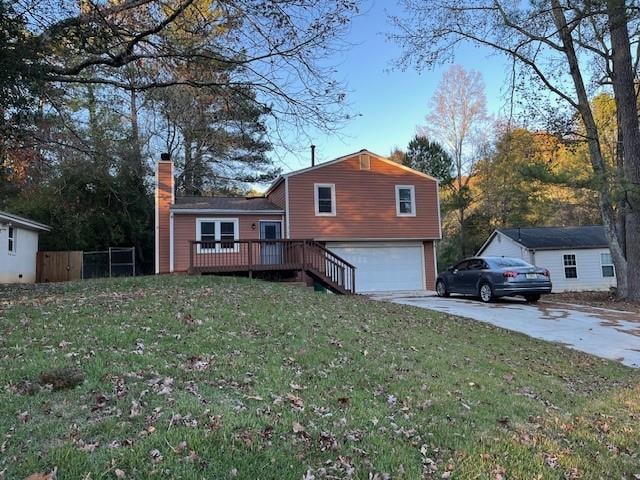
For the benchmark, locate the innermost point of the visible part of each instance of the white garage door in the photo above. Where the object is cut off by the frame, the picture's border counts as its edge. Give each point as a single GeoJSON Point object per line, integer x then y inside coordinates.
{"type": "Point", "coordinates": [382, 267]}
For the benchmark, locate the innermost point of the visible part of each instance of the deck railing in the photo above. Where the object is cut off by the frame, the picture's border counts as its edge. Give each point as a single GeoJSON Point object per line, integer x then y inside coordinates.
{"type": "Point", "coordinates": [264, 255]}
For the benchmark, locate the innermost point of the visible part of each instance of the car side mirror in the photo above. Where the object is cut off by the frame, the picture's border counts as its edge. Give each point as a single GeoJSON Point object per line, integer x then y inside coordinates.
{"type": "Point", "coordinates": [450, 268]}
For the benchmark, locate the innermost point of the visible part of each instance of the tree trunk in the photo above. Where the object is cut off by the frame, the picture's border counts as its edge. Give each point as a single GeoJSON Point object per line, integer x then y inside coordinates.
{"type": "Point", "coordinates": [135, 134]}
{"type": "Point", "coordinates": [625, 97]}
{"type": "Point", "coordinates": [595, 152]}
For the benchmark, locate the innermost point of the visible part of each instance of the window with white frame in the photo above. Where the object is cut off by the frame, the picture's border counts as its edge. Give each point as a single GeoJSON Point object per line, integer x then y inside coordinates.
{"type": "Point", "coordinates": [12, 239]}
{"type": "Point", "coordinates": [325, 199]}
{"type": "Point", "coordinates": [606, 262]}
{"type": "Point", "coordinates": [405, 200]}
{"type": "Point", "coordinates": [570, 266]}
{"type": "Point", "coordinates": [217, 235]}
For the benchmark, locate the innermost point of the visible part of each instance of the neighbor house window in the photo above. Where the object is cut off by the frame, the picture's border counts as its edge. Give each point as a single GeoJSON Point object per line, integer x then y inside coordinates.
{"type": "Point", "coordinates": [12, 240]}
{"type": "Point", "coordinates": [570, 267]}
{"type": "Point", "coordinates": [405, 200]}
{"type": "Point", "coordinates": [325, 199]}
{"type": "Point", "coordinates": [607, 265]}
{"type": "Point", "coordinates": [217, 235]}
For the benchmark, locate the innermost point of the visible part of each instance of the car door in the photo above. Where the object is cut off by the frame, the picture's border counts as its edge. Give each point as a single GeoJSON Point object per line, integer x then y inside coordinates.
{"type": "Point", "coordinates": [456, 277]}
{"type": "Point", "coordinates": [472, 275]}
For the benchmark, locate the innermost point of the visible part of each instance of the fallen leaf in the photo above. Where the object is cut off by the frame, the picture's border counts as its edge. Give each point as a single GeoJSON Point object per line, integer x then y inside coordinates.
{"type": "Point", "coordinates": [155, 455]}
{"type": "Point", "coordinates": [44, 476]}
{"type": "Point", "coordinates": [295, 401]}
{"type": "Point", "coordinates": [297, 428]}
{"type": "Point", "coordinates": [135, 409]}
{"type": "Point", "coordinates": [119, 473]}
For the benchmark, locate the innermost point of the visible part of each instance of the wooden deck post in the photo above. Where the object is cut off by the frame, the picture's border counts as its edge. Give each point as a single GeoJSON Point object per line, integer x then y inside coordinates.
{"type": "Point", "coordinates": [250, 253]}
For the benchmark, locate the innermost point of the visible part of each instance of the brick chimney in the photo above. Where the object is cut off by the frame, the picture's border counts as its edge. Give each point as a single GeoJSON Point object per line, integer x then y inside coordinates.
{"type": "Point", "coordinates": [164, 200]}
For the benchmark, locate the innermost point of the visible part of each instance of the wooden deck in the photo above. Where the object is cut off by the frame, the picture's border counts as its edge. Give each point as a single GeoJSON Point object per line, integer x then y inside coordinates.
{"type": "Point", "coordinates": [227, 256]}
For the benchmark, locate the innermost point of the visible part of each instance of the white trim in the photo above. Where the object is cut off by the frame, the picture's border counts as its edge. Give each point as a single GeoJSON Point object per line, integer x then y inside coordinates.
{"type": "Point", "coordinates": [332, 186]}
{"type": "Point", "coordinates": [373, 239]}
{"type": "Point", "coordinates": [22, 222]}
{"type": "Point", "coordinates": [424, 270]}
{"type": "Point", "coordinates": [218, 234]}
{"type": "Point", "coordinates": [565, 266]}
{"type": "Point", "coordinates": [12, 238]}
{"type": "Point", "coordinates": [380, 243]}
{"type": "Point", "coordinates": [286, 206]}
{"type": "Point", "coordinates": [343, 158]}
{"type": "Point", "coordinates": [412, 188]}
{"type": "Point", "coordinates": [157, 221]}
{"type": "Point", "coordinates": [219, 211]}
{"type": "Point", "coordinates": [171, 230]}
{"type": "Point", "coordinates": [607, 265]}
{"type": "Point", "coordinates": [435, 262]}
{"type": "Point", "coordinates": [494, 234]}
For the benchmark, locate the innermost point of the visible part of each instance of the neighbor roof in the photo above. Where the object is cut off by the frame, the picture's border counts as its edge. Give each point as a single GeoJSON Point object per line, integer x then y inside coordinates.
{"type": "Point", "coordinates": [23, 222]}
{"type": "Point", "coordinates": [552, 238]}
{"type": "Point", "coordinates": [278, 180]}
{"type": "Point", "coordinates": [228, 204]}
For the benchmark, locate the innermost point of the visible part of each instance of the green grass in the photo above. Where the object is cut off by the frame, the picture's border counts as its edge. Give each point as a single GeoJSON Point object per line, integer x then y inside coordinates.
{"type": "Point", "coordinates": [227, 372]}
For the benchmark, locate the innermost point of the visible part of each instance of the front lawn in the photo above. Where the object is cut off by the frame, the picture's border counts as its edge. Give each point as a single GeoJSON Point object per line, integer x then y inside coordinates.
{"type": "Point", "coordinates": [220, 378]}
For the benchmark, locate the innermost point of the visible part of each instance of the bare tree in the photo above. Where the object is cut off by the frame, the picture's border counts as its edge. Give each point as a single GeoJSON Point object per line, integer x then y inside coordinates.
{"type": "Point", "coordinates": [566, 49]}
{"type": "Point", "coordinates": [279, 49]}
{"type": "Point", "coordinates": [458, 120]}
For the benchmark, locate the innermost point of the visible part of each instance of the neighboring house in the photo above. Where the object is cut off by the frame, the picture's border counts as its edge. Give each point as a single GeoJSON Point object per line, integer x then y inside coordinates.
{"type": "Point", "coordinates": [360, 210]}
{"type": "Point", "coordinates": [577, 257]}
{"type": "Point", "coordinates": [18, 248]}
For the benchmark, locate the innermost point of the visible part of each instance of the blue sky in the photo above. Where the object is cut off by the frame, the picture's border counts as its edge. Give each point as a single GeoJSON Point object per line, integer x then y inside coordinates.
{"type": "Point", "coordinates": [391, 103]}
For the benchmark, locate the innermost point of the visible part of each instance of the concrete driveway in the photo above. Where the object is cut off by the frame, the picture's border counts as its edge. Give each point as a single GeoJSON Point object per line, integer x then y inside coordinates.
{"type": "Point", "coordinates": [611, 334]}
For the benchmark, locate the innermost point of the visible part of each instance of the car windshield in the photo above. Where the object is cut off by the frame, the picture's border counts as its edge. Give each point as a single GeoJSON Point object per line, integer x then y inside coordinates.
{"type": "Point", "coordinates": [509, 262]}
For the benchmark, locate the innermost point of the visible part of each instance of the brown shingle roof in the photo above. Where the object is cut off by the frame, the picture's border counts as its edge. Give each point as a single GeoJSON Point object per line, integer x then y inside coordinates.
{"type": "Point", "coordinates": [235, 204]}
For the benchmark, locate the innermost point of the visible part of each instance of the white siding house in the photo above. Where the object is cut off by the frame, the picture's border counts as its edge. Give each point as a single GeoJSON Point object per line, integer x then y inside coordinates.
{"type": "Point", "coordinates": [578, 258]}
{"type": "Point", "coordinates": [18, 248]}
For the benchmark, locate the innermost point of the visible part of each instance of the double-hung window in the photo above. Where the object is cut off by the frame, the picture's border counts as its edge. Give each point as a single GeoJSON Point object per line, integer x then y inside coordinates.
{"type": "Point", "coordinates": [405, 200]}
{"type": "Point", "coordinates": [217, 235]}
{"type": "Point", "coordinates": [570, 266]}
{"type": "Point", "coordinates": [606, 263]}
{"type": "Point", "coordinates": [12, 239]}
{"type": "Point", "coordinates": [325, 199]}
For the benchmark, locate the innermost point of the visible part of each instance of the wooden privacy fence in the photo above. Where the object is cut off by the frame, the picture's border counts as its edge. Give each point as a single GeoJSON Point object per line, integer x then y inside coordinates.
{"type": "Point", "coordinates": [75, 265]}
{"type": "Point", "coordinates": [58, 266]}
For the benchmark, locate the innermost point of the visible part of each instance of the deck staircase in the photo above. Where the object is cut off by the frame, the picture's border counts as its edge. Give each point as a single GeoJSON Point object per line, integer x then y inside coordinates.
{"type": "Point", "coordinates": [308, 256]}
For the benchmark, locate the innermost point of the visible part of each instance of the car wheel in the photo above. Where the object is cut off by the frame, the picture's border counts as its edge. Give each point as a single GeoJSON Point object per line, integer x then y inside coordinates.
{"type": "Point", "coordinates": [485, 292]}
{"type": "Point", "coordinates": [532, 298]}
{"type": "Point", "coordinates": [441, 289]}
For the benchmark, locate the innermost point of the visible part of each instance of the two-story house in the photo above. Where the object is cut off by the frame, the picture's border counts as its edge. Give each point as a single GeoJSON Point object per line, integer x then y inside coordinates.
{"type": "Point", "coordinates": [357, 223]}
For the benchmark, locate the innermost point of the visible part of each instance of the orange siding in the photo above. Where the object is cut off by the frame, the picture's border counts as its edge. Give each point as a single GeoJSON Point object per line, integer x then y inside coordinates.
{"type": "Point", "coordinates": [164, 197]}
{"type": "Point", "coordinates": [429, 266]}
{"type": "Point", "coordinates": [365, 203]}
{"type": "Point", "coordinates": [278, 196]}
{"type": "Point", "coordinates": [184, 230]}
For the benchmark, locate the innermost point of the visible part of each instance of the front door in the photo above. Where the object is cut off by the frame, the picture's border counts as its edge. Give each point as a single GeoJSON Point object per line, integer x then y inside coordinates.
{"type": "Point", "coordinates": [271, 252]}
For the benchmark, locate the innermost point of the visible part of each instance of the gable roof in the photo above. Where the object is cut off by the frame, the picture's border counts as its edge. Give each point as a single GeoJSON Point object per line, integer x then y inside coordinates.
{"type": "Point", "coordinates": [226, 204]}
{"type": "Point", "coordinates": [10, 218]}
{"type": "Point", "coordinates": [554, 238]}
{"type": "Point", "coordinates": [282, 177]}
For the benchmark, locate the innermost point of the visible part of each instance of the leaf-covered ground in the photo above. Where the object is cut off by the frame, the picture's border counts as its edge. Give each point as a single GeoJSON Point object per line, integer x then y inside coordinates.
{"type": "Point", "coordinates": [216, 378]}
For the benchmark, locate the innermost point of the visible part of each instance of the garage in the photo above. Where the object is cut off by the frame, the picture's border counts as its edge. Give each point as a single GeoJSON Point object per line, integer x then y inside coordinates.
{"type": "Point", "coordinates": [384, 266]}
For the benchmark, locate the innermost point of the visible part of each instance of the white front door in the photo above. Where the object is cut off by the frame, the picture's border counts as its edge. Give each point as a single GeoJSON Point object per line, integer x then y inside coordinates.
{"type": "Point", "coordinates": [384, 266]}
